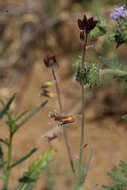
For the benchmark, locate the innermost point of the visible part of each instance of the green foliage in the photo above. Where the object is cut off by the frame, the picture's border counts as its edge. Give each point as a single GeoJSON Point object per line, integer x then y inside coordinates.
{"type": "Point", "coordinates": [99, 30]}
{"type": "Point", "coordinates": [94, 76]}
{"type": "Point", "coordinates": [114, 68]}
{"type": "Point", "coordinates": [114, 33]}
{"type": "Point", "coordinates": [91, 74]}
{"type": "Point", "coordinates": [7, 106]}
{"type": "Point", "coordinates": [14, 123]}
{"type": "Point", "coordinates": [30, 177]}
{"type": "Point", "coordinates": [121, 33]}
{"type": "Point", "coordinates": [118, 176]}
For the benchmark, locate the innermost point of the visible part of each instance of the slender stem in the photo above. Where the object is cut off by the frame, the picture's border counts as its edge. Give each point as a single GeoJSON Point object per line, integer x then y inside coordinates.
{"type": "Point", "coordinates": [83, 107]}
{"type": "Point", "coordinates": [57, 90]}
{"type": "Point", "coordinates": [68, 150]}
{"type": "Point", "coordinates": [8, 170]}
{"type": "Point", "coordinates": [64, 130]}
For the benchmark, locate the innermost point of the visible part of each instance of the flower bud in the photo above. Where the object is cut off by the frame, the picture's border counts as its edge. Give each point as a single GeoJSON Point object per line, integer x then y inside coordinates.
{"type": "Point", "coordinates": [50, 61]}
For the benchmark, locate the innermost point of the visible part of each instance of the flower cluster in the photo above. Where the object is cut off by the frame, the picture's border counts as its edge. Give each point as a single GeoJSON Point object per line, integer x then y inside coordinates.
{"type": "Point", "coordinates": [86, 25]}
{"type": "Point", "coordinates": [120, 12]}
{"type": "Point", "coordinates": [120, 31]}
{"type": "Point", "coordinates": [50, 60]}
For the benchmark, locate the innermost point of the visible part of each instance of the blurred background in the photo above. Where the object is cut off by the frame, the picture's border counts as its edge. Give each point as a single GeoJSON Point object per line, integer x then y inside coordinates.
{"type": "Point", "coordinates": [30, 29]}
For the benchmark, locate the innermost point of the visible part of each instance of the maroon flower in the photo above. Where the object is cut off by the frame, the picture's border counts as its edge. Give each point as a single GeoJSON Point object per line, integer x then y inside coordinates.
{"type": "Point", "coordinates": [82, 23]}
{"type": "Point", "coordinates": [50, 61]}
{"type": "Point", "coordinates": [86, 24]}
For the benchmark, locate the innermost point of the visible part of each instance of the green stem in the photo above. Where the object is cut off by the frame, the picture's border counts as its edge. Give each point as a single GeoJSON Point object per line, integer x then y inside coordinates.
{"type": "Point", "coordinates": [83, 107]}
{"type": "Point", "coordinates": [8, 170]}
{"type": "Point", "coordinates": [115, 72]}
{"type": "Point", "coordinates": [79, 174]}
{"type": "Point", "coordinates": [64, 130]}
{"type": "Point", "coordinates": [68, 150]}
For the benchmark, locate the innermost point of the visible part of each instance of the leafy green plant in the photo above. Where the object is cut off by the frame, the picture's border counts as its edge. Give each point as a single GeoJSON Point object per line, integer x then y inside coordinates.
{"type": "Point", "coordinates": [95, 73]}
{"type": "Point", "coordinates": [118, 174]}
{"type": "Point", "coordinates": [14, 123]}
{"type": "Point", "coordinates": [30, 177]}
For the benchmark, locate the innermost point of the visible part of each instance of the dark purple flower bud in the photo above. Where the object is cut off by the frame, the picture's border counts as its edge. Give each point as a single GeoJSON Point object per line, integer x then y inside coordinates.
{"type": "Point", "coordinates": [86, 24]}
{"type": "Point", "coordinates": [84, 20]}
{"type": "Point", "coordinates": [90, 24]}
{"type": "Point", "coordinates": [81, 25]}
{"type": "Point", "coordinates": [50, 61]}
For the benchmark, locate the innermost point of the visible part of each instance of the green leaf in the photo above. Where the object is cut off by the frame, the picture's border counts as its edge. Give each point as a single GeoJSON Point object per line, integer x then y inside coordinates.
{"type": "Point", "coordinates": [18, 117]}
{"type": "Point", "coordinates": [118, 174]}
{"type": "Point", "coordinates": [1, 160]}
{"type": "Point", "coordinates": [7, 106]}
{"type": "Point", "coordinates": [24, 158]}
{"type": "Point", "coordinates": [30, 115]}
{"type": "Point", "coordinates": [87, 165]}
{"type": "Point", "coordinates": [83, 174]}
{"type": "Point", "coordinates": [30, 177]}
{"type": "Point", "coordinates": [91, 74]}
{"type": "Point", "coordinates": [124, 117]}
{"type": "Point", "coordinates": [85, 170]}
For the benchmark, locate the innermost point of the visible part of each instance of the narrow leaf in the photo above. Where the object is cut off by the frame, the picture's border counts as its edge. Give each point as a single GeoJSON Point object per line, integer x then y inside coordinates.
{"type": "Point", "coordinates": [7, 106]}
{"type": "Point", "coordinates": [30, 115]}
{"type": "Point", "coordinates": [18, 117]}
{"type": "Point", "coordinates": [86, 169]}
{"type": "Point", "coordinates": [21, 115]}
{"type": "Point", "coordinates": [24, 158]}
